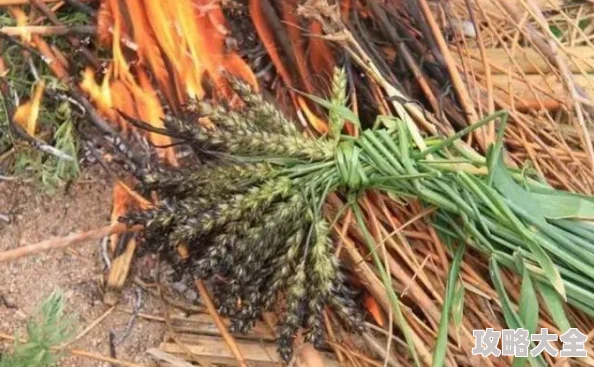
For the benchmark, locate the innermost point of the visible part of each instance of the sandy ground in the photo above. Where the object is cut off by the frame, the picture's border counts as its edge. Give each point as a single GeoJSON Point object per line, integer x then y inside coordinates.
{"type": "Point", "coordinates": [76, 271]}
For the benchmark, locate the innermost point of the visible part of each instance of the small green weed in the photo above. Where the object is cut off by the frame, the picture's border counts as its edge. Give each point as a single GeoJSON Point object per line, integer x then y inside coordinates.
{"type": "Point", "coordinates": [48, 171]}
{"type": "Point", "coordinates": [48, 328]}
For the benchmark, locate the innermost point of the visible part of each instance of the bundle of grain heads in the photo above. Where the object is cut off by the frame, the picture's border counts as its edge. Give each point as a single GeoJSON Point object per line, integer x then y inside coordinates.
{"type": "Point", "coordinates": [253, 226]}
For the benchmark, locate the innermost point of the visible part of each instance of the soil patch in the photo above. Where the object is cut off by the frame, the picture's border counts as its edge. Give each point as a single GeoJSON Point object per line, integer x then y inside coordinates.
{"type": "Point", "coordinates": [76, 271]}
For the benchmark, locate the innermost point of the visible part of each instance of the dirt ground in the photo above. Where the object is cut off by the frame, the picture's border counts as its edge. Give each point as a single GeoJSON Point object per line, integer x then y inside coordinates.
{"type": "Point", "coordinates": [76, 271]}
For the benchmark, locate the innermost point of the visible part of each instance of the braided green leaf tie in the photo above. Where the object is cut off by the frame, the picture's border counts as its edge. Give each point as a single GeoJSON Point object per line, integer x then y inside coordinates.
{"type": "Point", "coordinates": [349, 166]}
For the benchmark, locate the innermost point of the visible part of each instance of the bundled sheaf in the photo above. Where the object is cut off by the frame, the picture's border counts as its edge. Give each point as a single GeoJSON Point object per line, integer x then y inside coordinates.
{"type": "Point", "coordinates": [251, 213]}
{"type": "Point", "coordinates": [252, 225]}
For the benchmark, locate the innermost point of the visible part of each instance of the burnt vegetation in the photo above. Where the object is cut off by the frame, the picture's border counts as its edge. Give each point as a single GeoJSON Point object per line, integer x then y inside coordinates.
{"type": "Point", "coordinates": [253, 226]}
